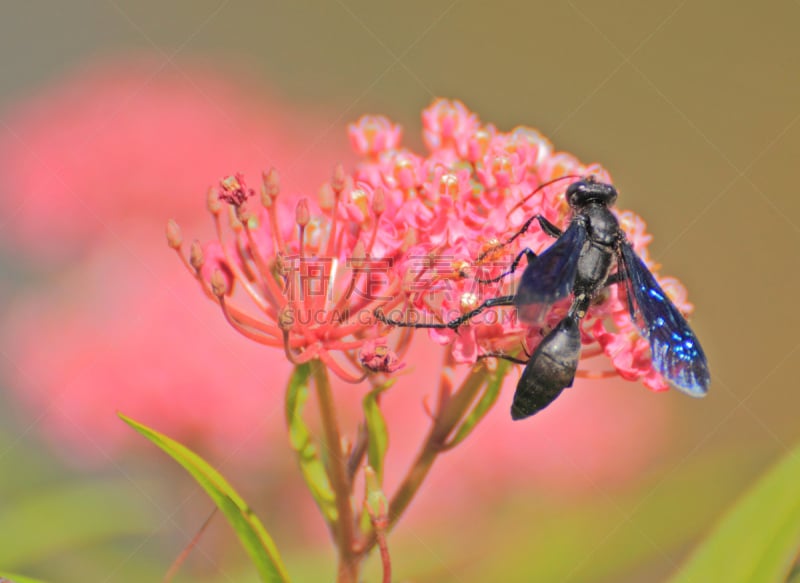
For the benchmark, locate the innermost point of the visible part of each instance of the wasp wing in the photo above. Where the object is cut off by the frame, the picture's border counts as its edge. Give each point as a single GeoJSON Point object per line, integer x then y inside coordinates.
{"type": "Point", "coordinates": [676, 353]}
{"type": "Point", "coordinates": [550, 276]}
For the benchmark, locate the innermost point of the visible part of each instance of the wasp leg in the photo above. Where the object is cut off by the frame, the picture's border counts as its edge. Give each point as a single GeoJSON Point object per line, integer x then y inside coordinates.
{"type": "Point", "coordinates": [503, 356]}
{"type": "Point", "coordinates": [617, 277]}
{"type": "Point", "coordinates": [548, 227]}
{"type": "Point", "coordinates": [529, 256]}
{"type": "Point", "coordinates": [452, 324]}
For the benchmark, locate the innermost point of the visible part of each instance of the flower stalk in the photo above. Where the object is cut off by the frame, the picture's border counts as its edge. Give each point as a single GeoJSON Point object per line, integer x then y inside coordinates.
{"type": "Point", "coordinates": [451, 410]}
{"type": "Point", "coordinates": [337, 472]}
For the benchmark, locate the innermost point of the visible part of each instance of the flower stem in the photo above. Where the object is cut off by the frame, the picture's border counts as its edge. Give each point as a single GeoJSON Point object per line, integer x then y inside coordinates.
{"type": "Point", "coordinates": [386, 559]}
{"type": "Point", "coordinates": [451, 412]}
{"type": "Point", "coordinates": [337, 472]}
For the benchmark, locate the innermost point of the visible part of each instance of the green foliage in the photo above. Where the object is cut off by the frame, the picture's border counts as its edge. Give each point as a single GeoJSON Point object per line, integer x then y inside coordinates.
{"type": "Point", "coordinates": [307, 451]}
{"type": "Point", "coordinates": [252, 534]}
{"type": "Point", "coordinates": [64, 522]}
{"type": "Point", "coordinates": [377, 433]}
{"type": "Point", "coordinates": [484, 405]}
{"type": "Point", "coordinates": [757, 541]}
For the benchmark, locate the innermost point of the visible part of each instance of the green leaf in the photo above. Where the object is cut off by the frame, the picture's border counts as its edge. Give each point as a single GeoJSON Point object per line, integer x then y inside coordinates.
{"type": "Point", "coordinates": [757, 540]}
{"type": "Point", "coordinates": [487, 400]}
{"type": "Point", "coordinates": [377, 433]}
{"type": "Point", "coordinates": [307, 451]}
{"type": "Point", "coordinates": [252, 534]}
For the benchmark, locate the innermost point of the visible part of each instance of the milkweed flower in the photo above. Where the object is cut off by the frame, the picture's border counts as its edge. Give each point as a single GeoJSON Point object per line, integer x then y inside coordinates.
{"type": "Point", "coordinates": [459, 206]}
{"type": "Point", "coordinates": [311, 277]}
{"type": "Point", "coordinates": [434, 226]}
{"type": "Point", "coordinates": [428, 226]}
{"type": "Point", "coordinates": [89, 168]}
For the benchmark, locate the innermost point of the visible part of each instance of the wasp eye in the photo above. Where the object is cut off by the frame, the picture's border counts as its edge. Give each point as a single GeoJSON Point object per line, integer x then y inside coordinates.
{"type": "Point", "coordinates": [574, 191]}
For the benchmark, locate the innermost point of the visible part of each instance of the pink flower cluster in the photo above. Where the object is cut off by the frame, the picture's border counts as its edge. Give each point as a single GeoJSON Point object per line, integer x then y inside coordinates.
{"type": "Point", "coordinates": [461, 202]}
{"type": "Point", "coordinates": [311, 278]}
{"type": "Point", "coordinates": [90, 168]}
{"type": "Point", "coordinates": [422, 231]}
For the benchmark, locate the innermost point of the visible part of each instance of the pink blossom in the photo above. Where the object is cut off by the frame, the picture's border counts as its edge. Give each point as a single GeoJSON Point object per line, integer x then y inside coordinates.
{"type": "Point", "coordinates": [448, 125]}
{"type": "Point", "coordinates": [90, 169]}
{"type": "Point", "coordinates": [442, 220]}
{"type": "Point", "coordinates": [127, 141]}
{"type": "Point", "coordinates": [311, 289]}
{"type": "Point", "coordinates": [460, 204]}
{"type": "Point", "coordinates": [373, 134]}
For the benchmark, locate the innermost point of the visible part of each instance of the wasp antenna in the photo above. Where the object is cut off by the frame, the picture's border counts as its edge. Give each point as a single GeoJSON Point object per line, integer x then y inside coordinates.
{"type": "Point", "coordinates": [540, 187]}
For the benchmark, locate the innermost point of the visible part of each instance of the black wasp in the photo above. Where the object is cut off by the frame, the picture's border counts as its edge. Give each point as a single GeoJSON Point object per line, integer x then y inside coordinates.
{"type": "Point", "coordinates": [581, 262]}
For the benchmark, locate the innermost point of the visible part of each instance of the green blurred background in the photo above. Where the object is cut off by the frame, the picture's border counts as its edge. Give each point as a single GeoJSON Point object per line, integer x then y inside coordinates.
{"type": "Point", "coordinates": [693, 108]}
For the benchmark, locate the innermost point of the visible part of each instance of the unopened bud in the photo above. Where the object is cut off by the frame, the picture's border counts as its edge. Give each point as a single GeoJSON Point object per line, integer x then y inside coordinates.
{"type": "Point", "coordinates": [174, 236]}
{"type": "Point", "coordinates": [271, 183]}
{"type": "Point", "coordinates": [358, 256]}
{"type": "Point", "coordinates": [377, 504]}
{"type": "Point", "coordinates": [280, 264]}
{"type": "Point", "coordinates": [196, 256]}
{"type": "Point", "coordinates": [244, 215]}
{"type": "Point", "coordinates": [212, 201]}
{"type": "Point", "coordinates": [339, 179]}
{"type": "Point", "coordinates": [233, 219]}
{"type": "Point", "coordinates": [303, 215]}
{"type": "Point", "coordinates": [218, 284]}
{"type": "Point", "coordinates": [378, 201]}
{"type": "Point", "coordinates": [326, 197]}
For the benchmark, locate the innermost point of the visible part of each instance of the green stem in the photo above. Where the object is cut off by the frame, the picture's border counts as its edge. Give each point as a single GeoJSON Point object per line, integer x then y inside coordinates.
{"type": "Point", "coordinates": [451, 412]}
{"type": "Point", "coordinates": [337, 472]}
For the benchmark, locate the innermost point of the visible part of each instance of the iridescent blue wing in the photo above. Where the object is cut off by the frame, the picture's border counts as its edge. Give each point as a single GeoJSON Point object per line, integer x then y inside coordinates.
{"type": "Point", "coordinates": [550, 276]}
{"type": "Point", "coordinates": [676, 353]}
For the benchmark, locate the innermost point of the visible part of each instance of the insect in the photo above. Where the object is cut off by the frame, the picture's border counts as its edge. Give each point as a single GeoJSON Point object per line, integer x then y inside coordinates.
{"type": "Point", "coordinates": [581, 262]}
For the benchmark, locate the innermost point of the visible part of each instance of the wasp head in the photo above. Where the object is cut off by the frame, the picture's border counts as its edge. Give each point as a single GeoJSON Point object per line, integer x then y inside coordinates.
{"type": "Point", "coordinates": [588, 190]}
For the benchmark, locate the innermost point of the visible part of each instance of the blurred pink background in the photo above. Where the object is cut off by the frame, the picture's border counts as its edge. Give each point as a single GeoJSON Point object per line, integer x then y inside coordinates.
{"type": "Point", "coordinates": [118, 116]}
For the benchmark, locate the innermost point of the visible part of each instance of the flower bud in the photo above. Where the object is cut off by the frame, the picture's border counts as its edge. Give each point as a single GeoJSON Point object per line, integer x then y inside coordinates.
{"type": "Point", "coordinates": [326, 197]}
{"type": "Point", "coordinates": [378, 201]}
{"type": "Point", "coordinates": [358, 255]}
{"type": "Point", "coordinates": [339, 179]}
{"type": "Point", "coordinates": [303, 215]}
{"type": "Point", "coordinates": [196, 256]}
{"type": "Point", "coordinates": [270, 184]}
{"type": "Point", "coordinates": [212, 201]}
{"type": "Point", "coordinates": [377, 504]}
{"type": "Point", "coordinates": [218, 283]}
{"type": "Point", "coordinates": [174, 236]}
